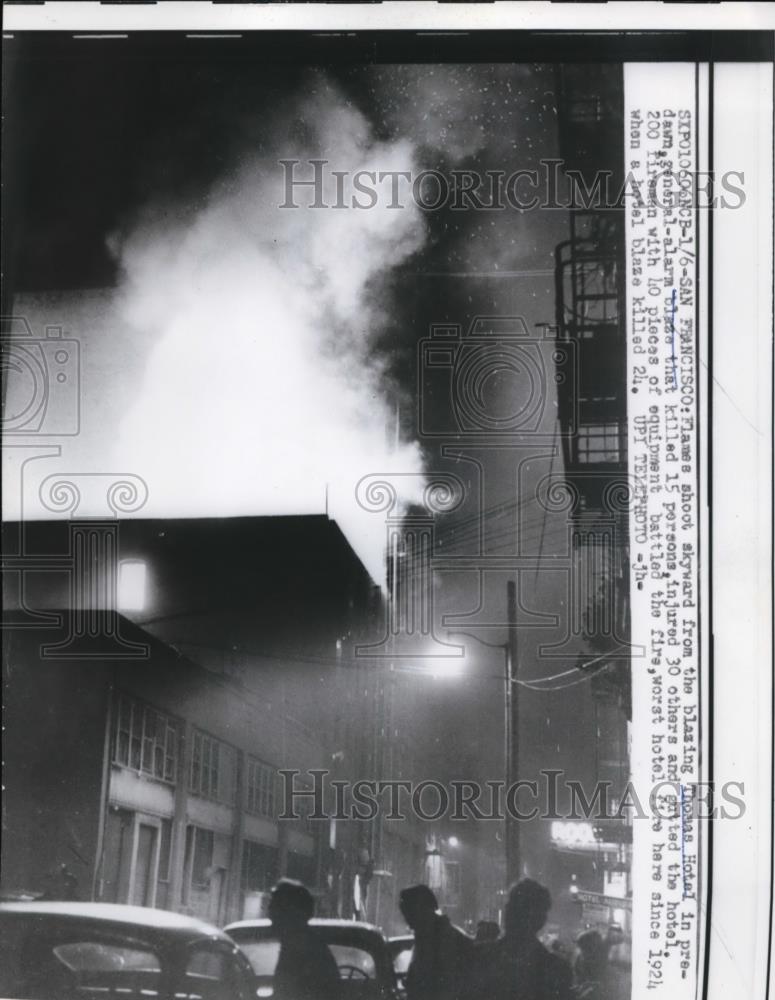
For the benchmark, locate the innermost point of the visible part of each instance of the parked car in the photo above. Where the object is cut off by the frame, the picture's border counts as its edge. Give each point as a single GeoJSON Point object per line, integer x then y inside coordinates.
{"type": "Point", "coordinates": [360, 952]}
{"type": "Point", "coordinates": [401, 951]}
{"type": "Point", "coordinates": [64, 951]}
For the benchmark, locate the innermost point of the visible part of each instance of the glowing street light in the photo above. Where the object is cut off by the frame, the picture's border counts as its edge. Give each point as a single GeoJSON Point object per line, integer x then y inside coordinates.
{"type": "Point", "coordinates": [437, 668]}
{"type": "Point", "coordinates": [447, 668]}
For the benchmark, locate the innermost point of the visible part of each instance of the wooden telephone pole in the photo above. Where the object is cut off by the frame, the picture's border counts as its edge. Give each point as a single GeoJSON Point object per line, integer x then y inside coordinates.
{"type": "Point", "coordinates": [511, 727]}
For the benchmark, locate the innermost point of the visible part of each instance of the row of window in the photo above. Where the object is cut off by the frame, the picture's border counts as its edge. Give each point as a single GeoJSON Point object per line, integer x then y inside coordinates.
{"type": "Point", "coordinates": [259, 865]}
{"type": "Point", "coordinates": [148, 741]}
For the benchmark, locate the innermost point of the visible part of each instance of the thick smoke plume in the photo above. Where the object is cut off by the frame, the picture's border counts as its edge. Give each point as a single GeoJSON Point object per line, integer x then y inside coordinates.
{"type": "Point", "coordinates": [263, 391]}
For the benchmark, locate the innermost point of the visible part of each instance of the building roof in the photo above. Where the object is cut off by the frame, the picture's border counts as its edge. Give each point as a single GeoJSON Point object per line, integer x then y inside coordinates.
{"type": "Point", "coordinates": [266, 582]}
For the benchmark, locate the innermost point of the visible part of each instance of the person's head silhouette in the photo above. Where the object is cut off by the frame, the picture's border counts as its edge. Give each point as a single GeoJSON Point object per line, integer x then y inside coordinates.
{"type": "Point", "coordinates": [527, 908]}
{"type": "Point", "coordinates": [291, 907]}
{"type": "Point", "coordinates": [487, 930]}
{"type": "Point", "coordinates": [418, 907]}
{"type": "Point", "coordinates": [593, 952]}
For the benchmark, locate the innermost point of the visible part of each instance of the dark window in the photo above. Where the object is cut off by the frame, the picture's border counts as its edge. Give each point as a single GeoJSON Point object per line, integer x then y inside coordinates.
{"type": "Point", "coordinates": [165, 850]}
{"type": "Point", "coordinates": [213, 768]}
{"type": "Point", "coordinates": [119, 832]}
{"type": "Point", "coordinates": [585, 110]}
{"type": "Point", "coordinates": [199, 856]}
{"type": "Point", "coordinates": [261, 788]}
{"type": "Point", "coordinates": [165, 857]}
{"type": "Point", "coordinates": [302, 867]}
{"type": "Point", "coordinates": [259, 867]}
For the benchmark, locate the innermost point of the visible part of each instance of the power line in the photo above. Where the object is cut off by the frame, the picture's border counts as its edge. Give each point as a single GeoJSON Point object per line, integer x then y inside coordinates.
{"type": "Point", "coordinates": [297, 657]}
{"type": "Point", "coordinates": [565, 673]}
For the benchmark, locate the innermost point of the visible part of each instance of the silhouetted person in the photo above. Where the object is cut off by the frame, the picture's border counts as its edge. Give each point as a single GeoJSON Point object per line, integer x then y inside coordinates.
{"type": "Point", "coordinates": [591, 969]}
{"type": "Point", "coordinates": [442, 954]}
{"type": "Point", "coordinates": [619, 963]}
{"type": "Point", "coordinates": [517, 966]}
{"type": "Point", "coordinates": [305, 969]}
{"type": "Point", "coordinates": [592, 958]}
{"type": "Point", "coordinates": [487, 930]}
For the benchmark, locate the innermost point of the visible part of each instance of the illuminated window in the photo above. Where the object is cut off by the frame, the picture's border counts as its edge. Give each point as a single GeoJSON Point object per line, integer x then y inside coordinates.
{"type": "Point", "coordinates": [131, 585]}
{"type": "Point", "coordinates": [598, 443]}
{"type": "Point", "coordinates": [145, 739]}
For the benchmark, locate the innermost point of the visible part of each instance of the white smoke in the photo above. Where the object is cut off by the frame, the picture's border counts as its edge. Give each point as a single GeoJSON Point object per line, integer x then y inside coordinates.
{"type": "Point", "coordinates": [263, 390]}
{"type": "Point", "coordinates": [455, 110]}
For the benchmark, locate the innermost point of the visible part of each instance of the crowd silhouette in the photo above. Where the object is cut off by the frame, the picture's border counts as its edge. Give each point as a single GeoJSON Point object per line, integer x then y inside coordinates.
{"type": "Point", "coordinates": [448, 964]}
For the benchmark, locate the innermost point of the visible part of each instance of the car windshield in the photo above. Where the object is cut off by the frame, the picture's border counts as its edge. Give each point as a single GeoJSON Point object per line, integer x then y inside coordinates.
{"type": "Point", "coordinates": [351, 959]}
{"type": "Point", "coordinates": [209, 975]}
{"type": "Point", "coordinates": [262, 955]}
{"type": "Point", "coordinates": [402, 959]}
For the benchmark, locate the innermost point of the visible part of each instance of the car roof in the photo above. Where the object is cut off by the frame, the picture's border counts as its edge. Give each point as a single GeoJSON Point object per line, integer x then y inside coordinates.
{"type": "Point", "coordinates": [400, 943]}
{"type": "Point", "coordinates": [347, 933]}
{"type": "Point", "coordinates": [356, 925]}
{"type": "Point", "coordinates": [138, 918]}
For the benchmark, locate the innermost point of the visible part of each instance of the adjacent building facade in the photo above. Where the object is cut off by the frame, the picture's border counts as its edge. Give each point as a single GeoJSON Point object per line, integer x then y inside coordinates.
{"type": "Point", "coordinates": [143, 760]}
{"type": "Point", "coordinates": [591, 860]}
{"type": "Point", "coordinates": [148, 783]}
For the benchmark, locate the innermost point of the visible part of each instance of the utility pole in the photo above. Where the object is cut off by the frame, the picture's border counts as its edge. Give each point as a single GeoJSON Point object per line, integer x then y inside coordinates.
{"type": "Point", "coordinates": [512, 832]}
